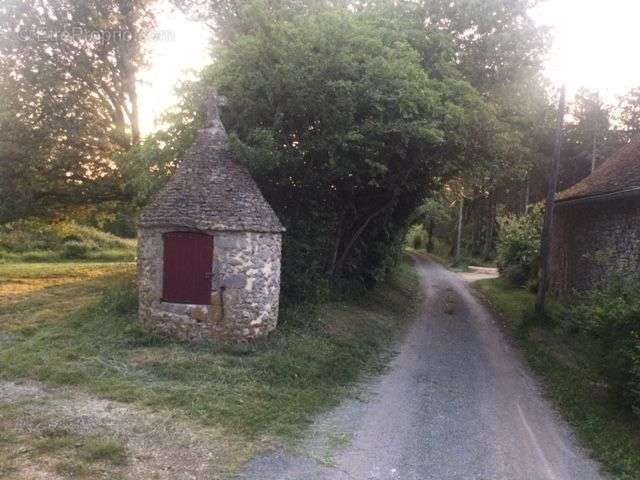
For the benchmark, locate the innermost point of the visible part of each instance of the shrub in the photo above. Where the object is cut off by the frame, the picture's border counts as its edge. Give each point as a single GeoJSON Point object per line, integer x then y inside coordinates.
{"type": "Point", "coordinates": [74, 250]}
{"type": "Point", "coordinates": [415, 237]}
{"type": "Point", "coordinates": [516, 274]}
{"type": "Point", "coordinates": [35, 234]}
{"type": "Point", "coordinates": [611, 317]}
{"type": "Point", "coordinates": [519, 246]}
{"type": "Point", "coordinates": [37, 241]}
{"type": "Point", "coordinates": [38, 256]}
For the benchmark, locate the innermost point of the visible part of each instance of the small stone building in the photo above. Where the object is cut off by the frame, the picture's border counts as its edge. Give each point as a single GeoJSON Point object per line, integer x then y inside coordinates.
{"type": "Point", "coordinates": [597, 225]}
{"type": "Point", "coordinates": [209, 248]}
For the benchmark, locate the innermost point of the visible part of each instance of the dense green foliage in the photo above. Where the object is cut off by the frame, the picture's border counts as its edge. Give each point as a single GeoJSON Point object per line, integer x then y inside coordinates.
{"type": "Point", "coordinates": [68, 100]}
{"type": "Point", "coordinates": [348, 113]}
{"type": "Point", "coordinates": [629, 108]}
{"type": "Point", "coordinates": [409, 99]}
{"type": "Point", "coordinates": [573, 366]}
{"type": "Point", "coordinates": [416, 238]}
{"type": "Point", "coordinates": [339, 110]}
{"type": "Point", "coordinates": [34, 240]}
{"type": "Point", "coordinates": [519, 245]}
{"type": "Point", "coordinates": [610, 317]}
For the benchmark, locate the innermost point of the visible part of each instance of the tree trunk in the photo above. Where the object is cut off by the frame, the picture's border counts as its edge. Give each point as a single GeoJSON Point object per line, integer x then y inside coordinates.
{"type": "Point", "coordinates": [488, 241]}
{"type": "Point", "coordinates": [547, 229]}
{"type": "Point", "coordinates": [594, 153]}
{"type": "Point", "coordinates": [339, 265]}
{"type": "Point", "coordinates": [430, 229]}
{"type": "Point", "coordinates": [126, 61]}
{"type": "Point", "coordinates": [476, 223]}
{"type": "Point", "coordinates": [459, 236]}
{"type": "Point", "coordinates": [135, 115]}
{"type": "Point", "coordinates": [336, 245]}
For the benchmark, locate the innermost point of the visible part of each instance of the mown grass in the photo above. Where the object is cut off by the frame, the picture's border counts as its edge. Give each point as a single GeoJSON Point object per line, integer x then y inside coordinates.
{"type": "Point", "coordinates": [573, 379]}
{"type": "Point", "coordinates": [273, 387]}
{"type": "Point", "coordinates": [69, 455]}
{"type": "Point", "coordinates": [37, 294]}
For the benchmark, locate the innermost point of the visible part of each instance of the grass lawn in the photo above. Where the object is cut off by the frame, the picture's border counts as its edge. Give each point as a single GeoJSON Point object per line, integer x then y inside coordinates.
{"type": "Point", "coordinates": [573, 380]}
{"type": "Point", "coordinates": [74, 325]}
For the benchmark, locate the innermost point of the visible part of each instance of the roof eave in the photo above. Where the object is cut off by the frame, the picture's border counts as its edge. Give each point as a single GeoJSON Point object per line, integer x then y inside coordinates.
{"type": "Point", "coordinates": [210, 228]}
{"type": "Point", "coordinates": [629, 192]}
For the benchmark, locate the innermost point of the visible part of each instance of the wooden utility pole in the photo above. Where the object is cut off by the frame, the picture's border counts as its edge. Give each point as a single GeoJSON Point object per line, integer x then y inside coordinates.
{"type": "Point", "coordinates": [459, 238]}
{"type": "Point", "coordinates": [547, 229]}
{"type": "Point", "coordinates": [594, 153]}
{"type": "Point", "coordinates": [527, 194]}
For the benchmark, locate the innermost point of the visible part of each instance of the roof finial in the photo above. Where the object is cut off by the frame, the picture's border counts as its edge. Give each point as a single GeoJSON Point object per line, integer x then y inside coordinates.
{"type": "Point", "coordinates": [212, 104]}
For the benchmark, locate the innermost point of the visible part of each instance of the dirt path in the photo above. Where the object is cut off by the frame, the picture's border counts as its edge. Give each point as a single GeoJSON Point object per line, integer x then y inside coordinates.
{"type": "Point", "coordinates": [455, 404]}
{"type": "Point", "coordinates": [53, 433]}
{"type": "Point", "coordinates": [480, 273]}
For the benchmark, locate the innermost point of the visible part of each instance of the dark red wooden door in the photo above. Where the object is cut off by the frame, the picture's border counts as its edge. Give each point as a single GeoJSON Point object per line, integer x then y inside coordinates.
{"type": "Point", "coordinates": [188, 263]}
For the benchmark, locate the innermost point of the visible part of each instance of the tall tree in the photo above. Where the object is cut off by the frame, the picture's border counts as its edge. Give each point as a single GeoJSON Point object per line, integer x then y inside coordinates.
{"type": "Point", "coordinates": [629, 108]}
{"type": "Point", "coordinates": [230, 19]}
{"type": "Point", "coordinates": [69, 98]}
{"type": "Point", "coordinates": [547, 229]}
{"type": "Point", "coordinates": [589, 138]}
{"type": "Point", "coordinates": [496, 40]}
{"type": "Point", "coordinates": [492, 45]}
{"type": "Point", "coordinates": [338, 109]}
{"type": "Point", "coordinates": [499, 50]}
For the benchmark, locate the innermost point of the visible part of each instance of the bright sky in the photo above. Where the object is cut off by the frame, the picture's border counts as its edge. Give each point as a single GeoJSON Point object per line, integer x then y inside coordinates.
{"type": "Point", "coordinates": [595, 46]}
{"type": "Point", "coordinates": [180, 48]}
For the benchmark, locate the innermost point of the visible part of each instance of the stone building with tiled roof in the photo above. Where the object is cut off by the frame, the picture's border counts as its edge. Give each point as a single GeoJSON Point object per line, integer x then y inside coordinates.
{"type": "Point", "coordinates": [597, 225]}
{"type": "Point", "coordinates": [209, 248]}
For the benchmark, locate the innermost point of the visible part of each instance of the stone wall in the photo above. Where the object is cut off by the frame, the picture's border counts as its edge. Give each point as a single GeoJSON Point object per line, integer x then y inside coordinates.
{"type": "Point", "coordinates": [245, 288]}
{"type": "Point", "coordinates": [592, 241]}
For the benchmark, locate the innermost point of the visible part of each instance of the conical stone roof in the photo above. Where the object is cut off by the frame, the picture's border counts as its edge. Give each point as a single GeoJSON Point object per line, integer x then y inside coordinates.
{"type": "Point", "coordinates": [210, 189]}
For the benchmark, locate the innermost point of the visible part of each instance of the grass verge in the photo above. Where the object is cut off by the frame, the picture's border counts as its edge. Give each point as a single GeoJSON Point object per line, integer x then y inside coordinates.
{"type": "Point", "coordinates": [49, 256]}
{"type": "Point", "coordinates": [573, 380]}
{"type": "Point", "coordinates": [272, 388]}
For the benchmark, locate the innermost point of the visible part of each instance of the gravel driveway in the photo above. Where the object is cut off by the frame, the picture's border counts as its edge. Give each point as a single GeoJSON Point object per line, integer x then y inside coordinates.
{"type": "Point", "coordinates": [456, 403]}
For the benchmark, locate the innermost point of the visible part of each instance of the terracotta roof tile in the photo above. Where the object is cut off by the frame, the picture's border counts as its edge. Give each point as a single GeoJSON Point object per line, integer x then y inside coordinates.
{"type": "Point", "coordinates": [619, 173]}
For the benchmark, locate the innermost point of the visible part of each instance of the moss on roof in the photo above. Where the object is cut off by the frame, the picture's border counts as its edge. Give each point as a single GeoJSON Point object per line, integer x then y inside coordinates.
{"type": "Point", "coordinates": [211, 190]}
{"type": "Point", "coordinates": [619, 173]}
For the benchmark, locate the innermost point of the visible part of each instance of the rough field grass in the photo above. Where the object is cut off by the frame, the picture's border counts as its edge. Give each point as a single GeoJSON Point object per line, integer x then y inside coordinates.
{"type": "Point", "coordinates": [41, 241]}
{"type": "Point", "coordinates": [69, 338]}
{"type": "Point", "coordinates": [572, 379]}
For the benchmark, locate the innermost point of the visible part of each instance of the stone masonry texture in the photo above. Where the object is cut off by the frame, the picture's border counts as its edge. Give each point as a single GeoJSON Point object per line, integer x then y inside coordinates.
{"type": "Point", "coordinates": [593, 241]}
{"type": "Point", "coordinates": [212, 193]}
{"type": "Point", "coordinates": [245, 288]}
